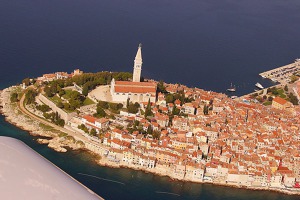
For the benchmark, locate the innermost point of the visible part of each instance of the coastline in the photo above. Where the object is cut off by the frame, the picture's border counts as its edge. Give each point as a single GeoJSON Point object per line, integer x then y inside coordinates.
{"type": "Point", "coordinates": [110, 164]}
{"type": "Point", "coordinates": [13, 115]}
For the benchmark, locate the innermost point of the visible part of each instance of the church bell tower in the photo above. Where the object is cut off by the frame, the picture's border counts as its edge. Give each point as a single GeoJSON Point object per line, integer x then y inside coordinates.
{"type": "Point", "coordinates": [137, 68]}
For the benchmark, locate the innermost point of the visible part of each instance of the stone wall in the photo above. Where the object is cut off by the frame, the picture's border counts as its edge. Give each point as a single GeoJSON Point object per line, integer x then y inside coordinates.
{"type": "Point", "coordinates": [64, 115]}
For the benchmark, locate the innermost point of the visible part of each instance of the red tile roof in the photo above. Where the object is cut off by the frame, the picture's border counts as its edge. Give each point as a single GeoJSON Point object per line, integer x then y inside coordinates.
{"type": "Point", "coordinates": [134, 89]}
{"type": "Point", "coordinates": [128, 83]}
{"type": "Point", "coordinates": [280, 100]}
{"type": "Point", "coordinates": [90, 119]}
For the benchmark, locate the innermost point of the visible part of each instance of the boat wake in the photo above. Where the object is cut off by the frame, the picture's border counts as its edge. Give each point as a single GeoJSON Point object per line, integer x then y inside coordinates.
{"type": "Point", "coordinates": [104, 179]}
{"type": "Point", "coordinates": [167, 193]}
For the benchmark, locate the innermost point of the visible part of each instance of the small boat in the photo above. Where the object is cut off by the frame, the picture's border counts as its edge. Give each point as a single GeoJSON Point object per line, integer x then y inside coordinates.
{"type": "Point", "coordinates": [234, 97]}
{"type": "Point", "coordinates": [259, 85]}
{"type": "Point", "coordinates": [231, 89]}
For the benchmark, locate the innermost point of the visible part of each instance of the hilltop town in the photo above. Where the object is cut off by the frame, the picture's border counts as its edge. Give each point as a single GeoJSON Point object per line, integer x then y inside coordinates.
{"type": "Point", "coordinates": [168, 129]}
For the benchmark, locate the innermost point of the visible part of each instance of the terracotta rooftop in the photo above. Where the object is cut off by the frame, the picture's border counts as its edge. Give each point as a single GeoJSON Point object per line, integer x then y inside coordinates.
{"type": "Point", "coordinates": [280, 100]}
{"type": "Point", "coordinates": [129, 83]}
{"type": "Point", "coordinates": [135, 89]}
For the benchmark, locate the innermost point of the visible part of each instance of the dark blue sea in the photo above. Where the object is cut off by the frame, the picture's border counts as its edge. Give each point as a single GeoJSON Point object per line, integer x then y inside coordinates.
{"type": "Point", "coordinates": [200, 43]}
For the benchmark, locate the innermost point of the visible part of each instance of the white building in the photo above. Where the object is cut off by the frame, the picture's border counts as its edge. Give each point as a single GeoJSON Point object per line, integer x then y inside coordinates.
{"type": "Point", "coordinates": [92, 122]}
{"type": "Point", "coordinates": [135, 91]}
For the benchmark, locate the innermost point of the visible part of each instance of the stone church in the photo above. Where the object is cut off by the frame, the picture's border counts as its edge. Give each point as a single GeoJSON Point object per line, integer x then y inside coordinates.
{"type": "Point", "coordinates": [135, 91]}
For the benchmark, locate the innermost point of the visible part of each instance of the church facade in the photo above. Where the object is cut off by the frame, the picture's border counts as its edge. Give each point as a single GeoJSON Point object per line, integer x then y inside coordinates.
{"type": "Point", "coordinates": [135, 91]}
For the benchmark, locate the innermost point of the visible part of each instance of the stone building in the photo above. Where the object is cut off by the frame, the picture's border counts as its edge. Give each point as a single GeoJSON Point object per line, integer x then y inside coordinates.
{"type": "Point", "coordinates": [135, 91]}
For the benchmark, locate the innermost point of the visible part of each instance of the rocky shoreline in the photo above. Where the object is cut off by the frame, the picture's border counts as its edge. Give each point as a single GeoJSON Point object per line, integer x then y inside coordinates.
{"type": "Point", "coordinates": [14, 116]}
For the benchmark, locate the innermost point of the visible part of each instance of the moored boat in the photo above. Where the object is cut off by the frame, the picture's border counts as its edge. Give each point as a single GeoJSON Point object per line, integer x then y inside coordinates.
{"type": "Point", "coordinates": [259, 85]}
{"type": "Point", "coordinates": [231, 89]}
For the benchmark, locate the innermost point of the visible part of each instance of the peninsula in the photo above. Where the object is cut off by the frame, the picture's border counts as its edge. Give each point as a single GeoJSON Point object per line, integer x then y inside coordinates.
{"type": "Point", "coordinates": [168, 129]}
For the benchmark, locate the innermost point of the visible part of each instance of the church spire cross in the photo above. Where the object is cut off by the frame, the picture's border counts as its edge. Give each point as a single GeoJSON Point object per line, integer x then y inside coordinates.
{"type": "Point", "coordinates": [139, 53]}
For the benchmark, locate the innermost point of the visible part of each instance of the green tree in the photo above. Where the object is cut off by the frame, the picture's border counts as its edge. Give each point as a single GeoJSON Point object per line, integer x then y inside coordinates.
{"type": "Point", "coordinates": [61, 92]}
{"type": "Point", "coordinates": [26, 81]}
{"type": "Point", "coordinates": [205, 110]}
{"type": "Point", "coordinates": [100, 112]}
{"type": "Point", "coordinates": [170, 98]}
{"type": "Point", "coordinates": [132, 108]}
{"type": "Point", "coordinates": [156, 134]}
{"type": "Point", "coordinates": [75, 95]}
{"type": "Point", "coordinates": [93, 132]}
{"type": "Point", "coordinates": [74, 104]}
{"type": "Point", "coordinates": [47, 115]}
{"type": "Point", "coordinates": [294, 78]}
{"type": "Point", "coordinates": [148, 111]}
{"type": "Point", "coordinates": [114, 106]}
{"type": "Point", "coordinates": [30, 96]}
{"type": "Point", "coordinates": [67, 106]}
{"type": "Point", "coordinates": [48, 92]}
{"type": "Point", "coordinates": [103, 104]}
{"type": "Point", "coordinates": [293, 99]}
{"type": "Point", "coordinates": [60, 122]}
{"type": "Point", "coordinates": [85, 90]}
{"type": "Point", "coordinates": [127, 103]}
{"type": "Point", "coordinates": [275, 92]}
{"type": "Point", "coordinates": [56, 116]}
{"type": "Point", "coordinates": [286, 88]}
{"type": "Point", "coordinates": [43, 108]}
{"type": "Point", "coordinates": [175, 110]}
{"type": "Point", "coordinates": [84, 128]}
{"type": "Point", "coordinates": [14, 97]}
{"type": "Point", "coordinates": [136, 123]}
{"type": "Point", "coordinates": [160, 87]}
{"type": "Point", "coordinates": [53, 88]}
{"type": "Point", "coordinates": [60, 104]}
{"type": "Point", "coordinates": [149, 130]}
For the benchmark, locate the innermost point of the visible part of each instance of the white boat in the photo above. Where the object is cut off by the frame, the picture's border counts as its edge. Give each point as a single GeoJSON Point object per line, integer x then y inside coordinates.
{"type": "Point", "coordinates": [259, 86]}
{"type": "Point", "coordinates": [234, 97]}
{"type": "Point", "coordinates": [231, 89]}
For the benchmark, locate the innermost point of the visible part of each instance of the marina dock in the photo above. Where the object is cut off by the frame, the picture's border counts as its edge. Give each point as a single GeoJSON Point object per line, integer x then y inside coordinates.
{"type": "Point", "coordinates": [282, 74]}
